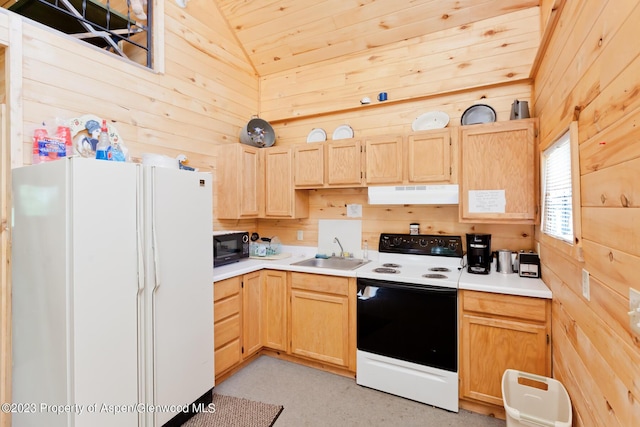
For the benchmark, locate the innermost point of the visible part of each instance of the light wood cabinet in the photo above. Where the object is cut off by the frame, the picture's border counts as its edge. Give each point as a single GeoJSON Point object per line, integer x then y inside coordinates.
{"type": "Point", "coordinates": [383, 160]}
{"type": "Point", "coordinates": [343, 164]}
{"type": "Point", "coordinates": [274, 309]}
{"type": "Point", "coordinates": [309, 165]}
{"type": "Point", "coordinates": [430, 157]}
{"type": "Point", "coordinates": [281, 199]}
{"type": "Point", "coordinates": [251, 314]}
{"type": "Point", "coordinates": [239, 182]}
{"type": "Point", "coordinates": [500, 332]}
{"type": "Point", "coordinates": [227, 309]}
{"type": "Point", "coordinates": [257, 183]}
{"type": "Point", "coordinates": [320, 318]}
{"type": "Point", "coordinates": [498, 172]}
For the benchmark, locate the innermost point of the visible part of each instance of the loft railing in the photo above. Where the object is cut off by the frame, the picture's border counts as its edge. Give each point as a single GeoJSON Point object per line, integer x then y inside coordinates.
{"type": "Point", "coordinates": [98, 23]}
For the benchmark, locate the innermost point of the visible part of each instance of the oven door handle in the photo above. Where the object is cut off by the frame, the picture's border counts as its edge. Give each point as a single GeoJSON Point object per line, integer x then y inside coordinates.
{"type": "Point", "coordinates": [363, 283]}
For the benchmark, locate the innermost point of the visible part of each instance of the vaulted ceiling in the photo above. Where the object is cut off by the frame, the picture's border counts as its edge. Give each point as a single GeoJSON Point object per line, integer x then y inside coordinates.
{"type": "Point", "coordinates": [280, 35]}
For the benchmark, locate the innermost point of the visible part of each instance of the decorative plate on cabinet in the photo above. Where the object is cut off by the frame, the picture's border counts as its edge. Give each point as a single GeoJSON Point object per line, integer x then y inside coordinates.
{"type": "Point", "coordinates": [430, 120]}
{"type": "Point", "coordinates": [317, 135]}
{"type": "Point", "coordinates": [479, 113]}
{"type": "Point", "coordinates": [343, 132]}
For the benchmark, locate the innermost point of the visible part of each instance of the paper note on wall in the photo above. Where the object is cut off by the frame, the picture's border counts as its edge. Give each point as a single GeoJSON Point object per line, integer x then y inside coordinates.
{"type": "Point", "coordinates": [487, 201]}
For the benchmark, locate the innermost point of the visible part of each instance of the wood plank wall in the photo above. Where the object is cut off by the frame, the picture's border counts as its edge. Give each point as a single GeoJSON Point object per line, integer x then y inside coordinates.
{"type": "Point", "coordinates": [486, 52]}
{"type": "Point", "coordinates": [589, 73]}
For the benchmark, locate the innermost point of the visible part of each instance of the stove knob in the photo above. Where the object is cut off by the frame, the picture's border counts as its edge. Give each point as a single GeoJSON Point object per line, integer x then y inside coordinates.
{"type": "Point", "coordinates": [440, 242]}
{"type": "Point", "coordinates": [423, 242]}
{"type": "Point", "coordinates": [397, 241]}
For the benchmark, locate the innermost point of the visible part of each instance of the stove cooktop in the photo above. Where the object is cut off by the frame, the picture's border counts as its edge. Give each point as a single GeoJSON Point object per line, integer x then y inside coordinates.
{"type": "Point", "coordinates": [434, 260]}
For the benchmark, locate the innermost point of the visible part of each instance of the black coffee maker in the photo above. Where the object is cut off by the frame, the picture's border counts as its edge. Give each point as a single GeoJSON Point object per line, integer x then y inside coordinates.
{"type": "Point", "coordinates": [479, 253]}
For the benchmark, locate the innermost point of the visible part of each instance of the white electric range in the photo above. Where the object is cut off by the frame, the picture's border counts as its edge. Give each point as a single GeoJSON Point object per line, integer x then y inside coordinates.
{"type": "Point", "coordinates": [407, 318]}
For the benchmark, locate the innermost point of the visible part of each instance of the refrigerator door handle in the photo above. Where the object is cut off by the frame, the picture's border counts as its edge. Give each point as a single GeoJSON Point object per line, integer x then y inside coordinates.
{"type": "Point", "coordinates": [154, 234]}
{"type": "Point", "coordinates": [139, 229]}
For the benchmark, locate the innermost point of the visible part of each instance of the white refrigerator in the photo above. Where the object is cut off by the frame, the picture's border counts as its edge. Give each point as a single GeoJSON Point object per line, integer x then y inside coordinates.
{"type": "Point", "coordinates": [112, 294]}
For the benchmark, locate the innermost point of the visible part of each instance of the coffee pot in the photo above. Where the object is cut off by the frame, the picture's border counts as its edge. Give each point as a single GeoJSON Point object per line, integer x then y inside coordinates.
{"type": "Point", "coordinates": [519, 110]}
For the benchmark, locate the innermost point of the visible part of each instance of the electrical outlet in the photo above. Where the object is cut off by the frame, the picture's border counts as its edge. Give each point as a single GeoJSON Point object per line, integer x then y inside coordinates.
{"type": "Point", "coordinates": [586, 292]}
{"type": "Point", "coordinates": [634, 310]}
{"type": "Point", "coordinates": [300, 235]}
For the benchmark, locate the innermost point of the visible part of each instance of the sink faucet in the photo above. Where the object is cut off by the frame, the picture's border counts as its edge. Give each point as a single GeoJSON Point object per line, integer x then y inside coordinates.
{"type": "Point", "coordinates": [335, 240]}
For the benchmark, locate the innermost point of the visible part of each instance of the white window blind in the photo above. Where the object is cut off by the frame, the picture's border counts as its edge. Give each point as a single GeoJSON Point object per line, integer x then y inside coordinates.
{"type": "Point", "coordinates": [557, 214]}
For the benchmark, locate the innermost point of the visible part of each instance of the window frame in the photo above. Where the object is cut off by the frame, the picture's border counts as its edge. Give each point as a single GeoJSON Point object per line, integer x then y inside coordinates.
{"type": "Point", "coordinates": [574, 248]}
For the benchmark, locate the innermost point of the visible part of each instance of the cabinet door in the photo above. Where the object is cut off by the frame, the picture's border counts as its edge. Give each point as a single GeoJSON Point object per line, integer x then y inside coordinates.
{"type": "Point", "coordinates": [383, 160]}
{"type": "Point", "coordinates": [274, 306]}
{"type": "Point", "coordinates": [251, 314]}
{"type": "Point", "coordinates": [320, 326]}
{"type": "Point", "coordinates": [494, 345]}
{"type": "Point", "coordinates": [281, 199]}
{"type": "Point", "coordinates": [498, 176]}
{"type": "Point", "coordinates": [239, 181]}
{"type": "Point", "coordinates": [344, 163]}
{"type": "Point", "coordinates": [309, 165]}
{"type": "Point", "coordinates": [278, 179]}
{"type": "Point", "coordinates": [429, 157]}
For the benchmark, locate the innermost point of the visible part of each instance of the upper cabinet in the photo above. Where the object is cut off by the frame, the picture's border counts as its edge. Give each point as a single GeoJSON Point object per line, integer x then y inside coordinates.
{"type": "Point", "coordinates": [257, 183]}
{"type": "Point", "coordinates": [343, 165]}
{"type": "Point", "coordinates": [383, 160]}
{"type": "Point", "coordinates": [430, 157]}
{"type": "Point", "coordinates": [239, 184]}
{"type": "Point", "coordinates": [281, 200]}
{"type": "Point", "coordinates": [498, 177]}
{"type": "Point", "coordinates": [427, 157]}
{"type": "Point", "coordinates": [329, 164]}
{"type": "Point", "coordinates": [309, 165]}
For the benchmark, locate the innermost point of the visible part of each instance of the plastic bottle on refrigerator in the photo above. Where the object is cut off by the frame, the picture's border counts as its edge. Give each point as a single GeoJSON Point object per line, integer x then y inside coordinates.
{"type": "Point", "coordinates": [38, 134]}
{"type": "Point", "coordinates": [103, 148]}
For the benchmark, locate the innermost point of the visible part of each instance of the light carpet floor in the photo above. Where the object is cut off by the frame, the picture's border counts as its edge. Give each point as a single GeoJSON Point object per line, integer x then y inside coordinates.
{"type": "Point", "coordinates": [316, 398]}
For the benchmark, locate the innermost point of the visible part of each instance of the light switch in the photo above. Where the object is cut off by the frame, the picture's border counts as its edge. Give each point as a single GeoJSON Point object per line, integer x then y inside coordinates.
{"type": "Point", "coordinates": [586, 291]}
{"type": "Point", "coordinates": [300, 235]}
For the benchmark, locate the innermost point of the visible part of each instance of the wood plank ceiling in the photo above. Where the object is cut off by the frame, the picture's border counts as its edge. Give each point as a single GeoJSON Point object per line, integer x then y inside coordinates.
{"type": "Point", "coordinates": [279, 35]}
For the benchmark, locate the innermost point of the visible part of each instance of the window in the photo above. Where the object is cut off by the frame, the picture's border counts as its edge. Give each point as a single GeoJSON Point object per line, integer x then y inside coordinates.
{"type": "Point", "coordinates": [119, 26]}
{"type": "Point", "coordinates": [557, 206]}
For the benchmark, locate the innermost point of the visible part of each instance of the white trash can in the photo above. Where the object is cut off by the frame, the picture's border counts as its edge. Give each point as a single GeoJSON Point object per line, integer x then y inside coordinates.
{"type": "Point", "coordinates": [535, 401]}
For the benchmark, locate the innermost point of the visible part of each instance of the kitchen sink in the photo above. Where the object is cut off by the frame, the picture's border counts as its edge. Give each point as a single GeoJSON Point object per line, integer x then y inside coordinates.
{"type": "Point", "coordinates": [336, 263]}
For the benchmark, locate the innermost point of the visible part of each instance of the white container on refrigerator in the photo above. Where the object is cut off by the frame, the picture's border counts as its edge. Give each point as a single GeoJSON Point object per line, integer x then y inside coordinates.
{"type": "Point", "coordinates": [112, 297]}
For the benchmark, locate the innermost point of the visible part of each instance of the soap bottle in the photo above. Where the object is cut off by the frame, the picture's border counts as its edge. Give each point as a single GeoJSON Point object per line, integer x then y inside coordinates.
{"type": "Point", "coordinates": [103, 149]}
{"type": "Point", "coordinates": [365, 251]}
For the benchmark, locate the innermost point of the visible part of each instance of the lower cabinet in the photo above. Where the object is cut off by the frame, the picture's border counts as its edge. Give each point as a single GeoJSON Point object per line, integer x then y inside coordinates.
{"type": "Point", "coordinates": [500, 332]}
{"type": "Point", "coordinates": [274, 309]}
{"type": "Point", "coordinates": [311, 316]}
{"type": "Point", "coordinates": [227, 308]}
{"type": "Point", "coordinates": [320, 319]}
{"type": "Point", "coordinates": [237, 320]}
{"type": "Point", "coordinates": [251, 314]}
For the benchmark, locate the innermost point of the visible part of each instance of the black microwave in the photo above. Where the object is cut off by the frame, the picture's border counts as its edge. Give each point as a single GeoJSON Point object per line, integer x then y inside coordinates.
{"type": "Point", "coordinates": [230, 246]}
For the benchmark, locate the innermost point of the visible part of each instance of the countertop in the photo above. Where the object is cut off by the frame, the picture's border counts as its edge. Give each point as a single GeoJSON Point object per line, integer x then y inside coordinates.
{"type": "Point", "coordinates": [501, 283]}
{"type": "Point", "coordinates": [510, 284]}
{"type": "Point", "coordinates": [298, 253]}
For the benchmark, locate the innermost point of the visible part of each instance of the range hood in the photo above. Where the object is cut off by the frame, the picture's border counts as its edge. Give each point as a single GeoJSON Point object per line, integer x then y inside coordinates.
{"type": "Point", "coordinates": [414, 195]}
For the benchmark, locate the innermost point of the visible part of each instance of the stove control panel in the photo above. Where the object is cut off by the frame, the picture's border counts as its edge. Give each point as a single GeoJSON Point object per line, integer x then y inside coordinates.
{"type": "Point", "coordinates": [421, 244]}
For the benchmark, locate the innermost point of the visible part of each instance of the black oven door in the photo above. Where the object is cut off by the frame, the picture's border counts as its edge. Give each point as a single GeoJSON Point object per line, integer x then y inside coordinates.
{"type": "Point", "coordinates": [414, 323]}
